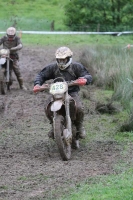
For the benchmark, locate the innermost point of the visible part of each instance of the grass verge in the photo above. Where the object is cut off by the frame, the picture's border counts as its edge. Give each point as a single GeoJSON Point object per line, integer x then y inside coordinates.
{"type": "Point", "coordinates": [105, 188]}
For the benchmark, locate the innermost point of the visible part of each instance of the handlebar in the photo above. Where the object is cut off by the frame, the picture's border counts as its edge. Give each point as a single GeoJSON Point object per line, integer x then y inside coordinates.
{"type": "Point", "coordinates": [80, 82]}
{"type": "Point", "coordinates": [4, 56]}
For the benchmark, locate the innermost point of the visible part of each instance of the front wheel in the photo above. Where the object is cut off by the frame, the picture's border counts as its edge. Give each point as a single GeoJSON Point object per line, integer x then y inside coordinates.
{"type": "Point", "coordinates": [64, 149]}
{"type": "Point", "coordinates": [3, 83]}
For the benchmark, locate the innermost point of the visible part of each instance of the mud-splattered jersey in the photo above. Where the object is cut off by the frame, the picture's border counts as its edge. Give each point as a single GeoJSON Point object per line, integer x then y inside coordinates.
{"type": "Point", "coordinates": [73, 72]}
{"type": "Point", "coordinates": [8, 44]}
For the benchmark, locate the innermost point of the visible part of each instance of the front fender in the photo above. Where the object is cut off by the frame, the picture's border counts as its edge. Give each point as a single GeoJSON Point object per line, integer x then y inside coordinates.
{"type": "Point", "coordinates": [56, 105]}
{"type": "Point", "coordinates": [2, 61]}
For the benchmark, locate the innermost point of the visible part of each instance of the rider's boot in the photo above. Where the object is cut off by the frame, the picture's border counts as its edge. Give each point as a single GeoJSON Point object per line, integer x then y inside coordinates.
{"type": "Point", "coordinates": [20, 80]}
{"type": "Point", "coordinates": [23, 87]}
{"type": "Point", "coordinates": [75, 143]}
{"type": "Point", "coordinates": [81, 130]}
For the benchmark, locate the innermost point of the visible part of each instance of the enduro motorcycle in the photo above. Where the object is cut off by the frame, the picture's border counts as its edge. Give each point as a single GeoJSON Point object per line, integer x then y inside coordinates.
{"type": "Point", "coordinates": [4, 70]}
{"type": "Point", "coordinates": [62, 111]}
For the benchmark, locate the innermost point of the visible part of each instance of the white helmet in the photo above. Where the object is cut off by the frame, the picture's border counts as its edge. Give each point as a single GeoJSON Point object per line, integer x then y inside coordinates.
{"type": "Point", "coordinates": [63, 57]}
{"type": "Point", "coordinates": [11, 32]}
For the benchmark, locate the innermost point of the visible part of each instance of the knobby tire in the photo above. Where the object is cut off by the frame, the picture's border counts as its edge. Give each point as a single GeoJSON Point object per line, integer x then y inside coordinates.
{"type": "Point", "coordinates": [64, 149]}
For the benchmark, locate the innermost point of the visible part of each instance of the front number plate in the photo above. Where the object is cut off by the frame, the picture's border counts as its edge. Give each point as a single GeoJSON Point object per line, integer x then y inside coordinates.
{"type": "Point", "coordinates": [58, 88]}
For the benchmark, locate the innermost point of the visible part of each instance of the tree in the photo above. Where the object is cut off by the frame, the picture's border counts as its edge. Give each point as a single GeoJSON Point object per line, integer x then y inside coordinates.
{"type": "Point", "coordinates": [88, 14]}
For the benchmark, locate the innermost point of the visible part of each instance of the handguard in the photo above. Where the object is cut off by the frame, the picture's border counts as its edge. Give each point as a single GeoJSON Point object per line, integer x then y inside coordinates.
{"type": "Point", "coordinates": [81, 81]}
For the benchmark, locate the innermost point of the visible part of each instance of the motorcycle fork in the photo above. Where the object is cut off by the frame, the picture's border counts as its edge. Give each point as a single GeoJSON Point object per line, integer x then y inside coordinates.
{"type": "Point", "coordinates": [54, 116]}
{"type": "Point", "coordinates": [7, 71]}
{"type": "Point", "coordinates": [68, 119]}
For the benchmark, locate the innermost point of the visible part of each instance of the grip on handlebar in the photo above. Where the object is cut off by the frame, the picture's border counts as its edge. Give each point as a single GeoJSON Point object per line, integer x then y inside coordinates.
{"type": "Point", "coordinates": [81, 81]}
{"type": "Point", "coordinates": [36, 89]}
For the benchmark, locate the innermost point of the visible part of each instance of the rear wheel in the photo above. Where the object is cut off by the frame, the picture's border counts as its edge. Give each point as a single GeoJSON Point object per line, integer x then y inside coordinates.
{"type": "Point", "coordinates": [64, 149]}
{"type": "Point", "coordinates": [3, 83]}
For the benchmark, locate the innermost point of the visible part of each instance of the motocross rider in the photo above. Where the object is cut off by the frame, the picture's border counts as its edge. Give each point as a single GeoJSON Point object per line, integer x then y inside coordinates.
{"type": "Point", "coordinates": [12, 42]}
{"type": "Point", "coordinates": [64, 67]}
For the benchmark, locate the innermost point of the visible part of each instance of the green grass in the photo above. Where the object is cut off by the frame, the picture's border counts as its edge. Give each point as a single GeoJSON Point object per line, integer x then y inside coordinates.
{"type": "Point", "coordinates": [77, 40]}
{"type": "Point", "coordinates": [125, 136]}
{"type": "Point", "coordinates": [111, 187]}
{"type": "Point", "coordinates": [32, 14]}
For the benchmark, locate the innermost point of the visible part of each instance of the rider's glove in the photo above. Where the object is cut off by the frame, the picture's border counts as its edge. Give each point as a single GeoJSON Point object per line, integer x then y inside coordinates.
{"type": "Point", "coordinates": [81, 81]}
{"type": "Point", "coordinates": [36, 88]}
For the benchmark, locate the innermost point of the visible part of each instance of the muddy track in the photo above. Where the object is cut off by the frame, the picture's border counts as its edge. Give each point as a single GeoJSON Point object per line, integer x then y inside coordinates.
{"type": "Point", "coordinates": [30, 164]}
